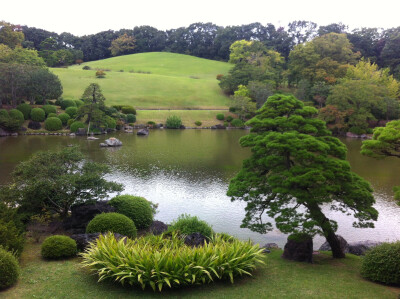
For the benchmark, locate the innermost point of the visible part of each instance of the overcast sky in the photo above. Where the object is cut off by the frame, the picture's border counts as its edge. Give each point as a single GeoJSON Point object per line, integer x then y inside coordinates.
{"type": "Point", "coordinates": [92, 16]}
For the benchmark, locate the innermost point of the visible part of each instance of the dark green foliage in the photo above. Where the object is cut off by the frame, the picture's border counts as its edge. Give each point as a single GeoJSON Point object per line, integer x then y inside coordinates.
{"type": "Point", "coordinates": [118, 107]}
{"type": "Point", "coordinates": [237, 123]}
{"type": "Point", "coordinates": [25, 109]}
{"type": "Point", "coordinates": [299, 237]}
{"type": "Point", "coordinates": [34, 125]}
{"type": "Point", "coordinates": [38, 114]}
{"type": "Point", "coordinates": [128, 110]}
{"type": "Point", "coordinates": [220, 116]}
{"type": "Point", "coordinates": [382, 263]}
{"type": "Point", "coordinates": [187, 224]}
{"type": "Point", "coordinates": [76, 125]}
{"type": "Point", "coordinates": [52, 115]}
{"type": "Point", "coordinates": [110, 122]}
{"type": "Point", "coordinates": [173, 122]}
{"type": "Point", "coordinates": [70, 121]}
{"type": "Point", "coordinates": [53, 124]}
{"type": "Point", "coordinates": [112, 222]}
{"type": "Point", "coordinates": [130, 118]}
{"type": "Point", "coordinates": [198, 123]}
{"type": "Point", "coordinates": [229, 118]}
{"type": "Point", "coordinates": [16, 114]}
{"type": "Point", "coordinates": [151, 123]}
{"type": "Point", "coordinates": [64, 117]}
{"type": "Point", "coordinates": [86, 68]}
{"type": "Point", "coordinates": [58, 247]}
{"type": "Point", "coordinates": [72, 111]}
{"type": "Point", "coordinates": [49, 109]}
{"type": "Point", "coordinates": [139, 209]}
{"type": "Point", "coordinates": [67, 103]}
{"type": "Point", "coordinates": [357, 130]}
{"type": "Point", "coordinates": [11, 237]}
{"type": "Point", "coordinates": [78, 103]}
{"type": "Point", "coordinates": [3, 113]}
{"type": "Point", "coordinates": [9, 269]}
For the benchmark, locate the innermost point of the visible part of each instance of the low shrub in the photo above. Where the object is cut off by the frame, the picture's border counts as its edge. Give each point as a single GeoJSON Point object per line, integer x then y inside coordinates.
{"type": "Point", "coordinates": [220, 116]}
{"type": "Point", "coordinates": [357, 130]}
{"type": "Point", "coordinates": [86, 68]}
{"type": "Point", "coordinates": [100, 74]}
{"type": "Point", "coordinates": [198, 123]}
{"type": "Point", "coordinates": [53, 124]}
{"type": "Point", "coordinates": [64, 117]}
{"type": "Point", "coordinates": [3, 113]}
{"type": "Point", "coordinates": [10, 124]}
{"type": "Point", "coordinates": [11, 237]}
{"type": "Point", "coordinates": [118, 107]}
{"type": "Point", "coordinates": [38, 114]}
{"type": "Point", "coordinates": [158, 261]}
{"type": "Point", "coordinates": [75, 126]}
{"type": "Point", "coordinates": [128, 110]}
{"type": "Point", "coordinates": [34, 125]}
{"type": "Point", "coordinates": [25, 109]}
{"type": "Point", "coordinates": [111, 122]}
{"type": "Point", "coordinates": [139, 209]}
{"type": "Point", "coordinates": [72, 111]}
{"type": "Point", "coordinates": [130, 118]}
{"type": "Point", "coordinates": [9, 269]}
{"type": "Point", "coordinates": [52, 115]}
{"type": "Point", "coordinates": [237, 123]}
{"type": "Point", "coordinates": [382, 263]}
{"type": "Point", "coordinates": [229, 118]}
{"type": "Point", "coordinates": [16, 114]}
{"type": "Point", "coordinates": [151, 123]}
{"type": "Point", "coordinates": [232, 109]}
{"type": "Point", "coordinates": [79, 103]}
{"type": "Point", "coordinates": [112, 222]}
{"type": "Point", "coordinates": [49, 109]}
{"type": "Point", "coordinates": [67, 103]}
{"type": "Point", "coordinates": [70, 121]}
{"type": "Point", "coordinates": [187, 224]}
{"type": "Point", "coordinates": [173, 122]}
{"type": "Point", "coordinates": [58, 246]}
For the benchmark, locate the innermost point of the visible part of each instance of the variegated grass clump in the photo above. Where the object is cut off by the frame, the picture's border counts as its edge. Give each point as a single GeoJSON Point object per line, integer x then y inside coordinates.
{"type": "Point", "coordinates": [159, 261]}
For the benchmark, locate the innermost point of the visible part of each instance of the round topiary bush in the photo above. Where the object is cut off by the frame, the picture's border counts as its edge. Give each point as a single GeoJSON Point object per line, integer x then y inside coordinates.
{"type": "Point", "coordinates": [38, 114]}
{"type": "Point", "coordinates": [229, 118]}
{"type": "Point", "coordinates": [9, 269]}
{"type": "Point", "coordinates": [16, 114]}
{"type": "Point", "coordinates": [78, 103]}
{"type": "Point", "coordinates": [86, 68]}
{"type": "Point", "coordinates": [137, 208]}
{"type": "Point", "coordinates": [53, 124]}
{"type": "Point", "coordinates": [34, 125]}
{"type": "Point", "coordinates": [64, 117]}
{"type": "Point", "coordinates": [198, 123]}
{"type": "Point", "coordinates": [58, 246]}
{"type": "Point", "coordinates": [72, 111]}
{"type": "Point", "coordinates": [70, 121]}
{"type": "Point", "coordinates": [220, 116]}
{"type": "Point", "coordinates": [3, 113]}
{"type": "Point", "coordinates": [128, 110]}
{"type": "Point", "coordinates": [111, 122]}
{"type": "Point", "coordinates": [187, 225]}
{"type": "Point", "coordinates": [382, 263]}
{"type": "Point", "coordinates": [67, 103]}
{"type": "Point", "coordinates": [237, 123]}
{"type": "Point", "coordinates": [49, 109]}
{"type": "Point", "coordinates": [130, 118]}
{"type": "Point", "coordinates": [112, 222]}
{"type": "Point", "coordinates": [25, 109]}
{"type": "Point", "coordinates": [51, 115]}
{"type": "Point", "coordinates": [75, 126]}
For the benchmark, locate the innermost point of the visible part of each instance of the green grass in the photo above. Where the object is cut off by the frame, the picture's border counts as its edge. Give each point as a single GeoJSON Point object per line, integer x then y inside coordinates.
{"type": "Point", "coordinates": [278, 278]}
{"type": "Point", "coordinates": [175, 81]}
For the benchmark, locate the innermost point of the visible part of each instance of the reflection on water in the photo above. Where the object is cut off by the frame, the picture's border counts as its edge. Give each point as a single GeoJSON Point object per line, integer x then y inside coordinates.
{"type": "Point", "coordinates": [189, 171]}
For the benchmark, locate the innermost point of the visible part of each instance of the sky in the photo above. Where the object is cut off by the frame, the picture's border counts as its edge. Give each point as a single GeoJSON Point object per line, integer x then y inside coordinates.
{"type": "Point", "coordinates": [81, 17]}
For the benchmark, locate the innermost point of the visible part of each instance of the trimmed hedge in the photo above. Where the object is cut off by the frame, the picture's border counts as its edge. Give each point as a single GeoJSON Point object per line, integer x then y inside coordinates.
{"type": "Point", "coordinates": [49, 109]}
{"type": "Point", "coordinates": [67, 103]}
{"type": "Point", "coordinates": [76, 125]}
{"type": "Point", "coordinates": [137, 208]}
{"type": "Point", "coordinates": [72, 111]}
{"type": "Point", "coordinates": [128, 110]}
{"type": "Point", "coordinates": [58, 246]}
{"type": "Point", "coordinates": [38, 114]}
{"type": "Point", "coordinates": [112, 222]}
{"type": "Point", "coordinates": [79, 103]}
{"type": "Point", "coordinates": [220, 116]}
{"type": "Point", "coordinates": [3, 113]}
{"type": "Point", "coordinates": [187, 225]}
{"type": "Point", "coordinates": [9, 269]}
{"type": "Point", "coordinates": [25, 109]}
{"type": "Point", "coordinates": [16, 114]}
{"type": "Point", "coordinates": [130, 118]}
{"type": "Point", "coordinates": [53, 124]}
{"type": "Point", "coordinates": [52, 115]}
{"type": "Point", "coordinates": [64, 117]}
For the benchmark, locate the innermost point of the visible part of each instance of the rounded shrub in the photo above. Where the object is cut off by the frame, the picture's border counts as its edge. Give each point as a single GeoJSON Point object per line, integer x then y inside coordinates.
{"type": "Point", "coordinates": [220, 116]}
{"type": "Point", "coordinates": [118, 107]}
{"type": "Point", "coordinates": [64, 117]}
{"type": "Point", "coordinates": [112, 222]}
{"type": "Point", "coordinates": [16, 114]}
{"type": "Point", "coordinates": [137, 208]}
{"type": "Point", "coordinates": [9, 269]}
{"type": "Point", "coordinates": [237, 123]}
{"type": "Point", "coordinates": [49, 109]}
{"type": "Point", "coordinates": [86, 68]}
{"type": "Point", "coordinates": [75, 126]}
{"type": "Point", "coordinates": [130, 118]}
{"type": "Point", "coordinates": [100, 74]}
{"type": "Point", "coordinates": [11, 237]}
{"type": "Point", "coordinates": [229, 118]}
{"type": "Point", "coordinates": [34, 125]}
{"type": "Point", "coordinates": [173, 122]}
{"type": "Point", "coordinates": [111, 122]}
{"type": "Point", "coordinates": [58, 246]}
{"type": "Point", "coordinates": [70, 121]}
{"type": "Point", "coordinates": [198, 123]}
{"type": "Point", "coordinates": [3, 113]}
{"type": "Point", "coordinates": [79, 103]}
{"type": "Point", "coordinates": [67, 103]}
{"type": "Point", "coordinates": [187, 224]}
{"type": "Point", "coordinates": [72, 111]}
{"type": "Point", "coordinates": [128, 110]}
{"type": "Point", "coordinates": [52, 115]}
{"type": "Point", "coordinates": [25, 109]}
{"type": "Point", "coordinates": [53, 124]}
{"type": "Point", "coordinates": [38, 114]}
{"type": "Point", "coordinates": [382, 263]}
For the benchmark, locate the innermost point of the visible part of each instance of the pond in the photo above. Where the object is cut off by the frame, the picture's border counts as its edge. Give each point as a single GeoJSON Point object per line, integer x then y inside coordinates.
{"type": "Point", "coordinates": [188, 171]}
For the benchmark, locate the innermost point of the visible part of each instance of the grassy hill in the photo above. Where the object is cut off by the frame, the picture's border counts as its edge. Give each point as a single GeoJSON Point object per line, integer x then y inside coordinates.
{"type": "Point", "coordinates": [151, 80]}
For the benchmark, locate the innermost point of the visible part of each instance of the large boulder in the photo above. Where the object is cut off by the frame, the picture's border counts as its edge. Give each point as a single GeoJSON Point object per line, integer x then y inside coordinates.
{"type": "Point", "coordinates": [143, 132]}
{"type": "Point", "coordinates": [299, 248]}
{"type": "Point", "coordinates": [83, 240]}
{"type": "Point", "coordinates": [81, 132]}
{"type": "Point", "coordinates": [218, 127]}
{"type": "Point", "coordinates": [195, 240]}
{"type": "Point", "coordinates": [113, 142]}
{"type": "Point", "coordinates": [158, 227]}
{"type": "Point", "coordinates": [359, 248]}
{"type": "Point", "coordinates": [343, 244]}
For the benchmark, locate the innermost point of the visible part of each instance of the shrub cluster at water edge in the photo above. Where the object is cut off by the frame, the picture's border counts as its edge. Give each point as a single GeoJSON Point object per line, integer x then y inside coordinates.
{"type": "Point", "coordinates": [53, 124]}
{"type": "Point", "coordinates": [130, 118]}
{"type": "Point", "coordinates": [382, 263]}
{"type": "Point", "coordinates": [139, 209]}
{"type": "Point", "coordinates": [25, 109]}
{"type": "Point", "coordinates": [16, 114]}
{"type": "Point", "coordinates": [237, 123]}
{"type": "Point", "coordinates": [58, 246]}
{"type": "Point", "coordinates": [38, 114]}
{"type": "Point", "coordinates": [76, 125]}
{"type": "Point", "coordinates": [112, 222]}
{"type": "Point", "coordinates": [9, 269]}
{"type": "Point", "coordinates": [110, 122]}
{"type": "Point", "coordinates": [128, 110]}
{"type": "Point", "coordinates": [187, 224]}
{"type": "Point", "coordinates": [173, 122]}
{"type": "Point", "coordinates": [159, 261]}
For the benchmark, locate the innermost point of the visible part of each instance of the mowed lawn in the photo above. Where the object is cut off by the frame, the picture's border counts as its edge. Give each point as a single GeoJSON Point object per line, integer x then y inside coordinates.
{"type": "Point", "coordinates": [174, 81]}
{"type": "Point", "coordinates": [278, 278]}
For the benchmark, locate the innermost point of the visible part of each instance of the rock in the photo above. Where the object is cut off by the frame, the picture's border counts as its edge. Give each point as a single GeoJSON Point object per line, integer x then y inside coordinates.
{"type": "Point", "coordinates": [271, 246]}
{"type": "Point", "coordinates": [143, 132]}
{"type": "Point", "coordinates": [103, 145]}
{"type": "Point", "coordinates": [158, 227]}
{"type": "Point", "coordinates": [92, 138]}
{"type": "Point", "coordinates": [81, 132]}
{"type": "Point", "coordinates": [72, 134]}
{"type": "Point", "coordinates": [158, 126]}
{"type": "Point", "coordinates": [343, 244]}
{"type": "Point", "coordinates": [182, 127]}
{"type": "Point", "coordinates": [359, 248]}
{"type": "Point", "coordinates": [14, 134]}
{"type": "Point", "coordinates": [299, 250]}
{"type": "Point", "coordinates": [218, 127]}
{"type": "Point", "coordinates": [195, 240]}
{"type": "Point", "coordinates": [4, 133]}
{"type": "Point", "coordinates": [34, 125]}
{"type": "Point", "coordinates": [83, 240]}
{"type": "Point", "coordinates": [113, 142]}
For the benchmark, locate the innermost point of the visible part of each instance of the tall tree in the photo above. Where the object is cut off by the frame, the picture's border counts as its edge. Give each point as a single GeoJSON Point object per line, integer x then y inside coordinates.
{"type": "Point", "coordinates": [10, 35]}
{"type": "Point", "coordinates": [122, 45]}
{"type": "Point", "coordinates": [93, 105]}
{"type": "Point", "coordinates": [296, 168]}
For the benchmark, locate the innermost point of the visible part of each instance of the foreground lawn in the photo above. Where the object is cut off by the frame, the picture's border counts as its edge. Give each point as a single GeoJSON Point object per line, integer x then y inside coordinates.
{"type": "Point", "coordinates": [326, 278]}
{"type": "Point", "coordinates": [173, 81]}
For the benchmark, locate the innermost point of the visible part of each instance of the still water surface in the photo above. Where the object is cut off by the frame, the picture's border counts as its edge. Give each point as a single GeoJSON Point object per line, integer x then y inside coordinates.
{"type": "Point", "coordinates": [188, 171]}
